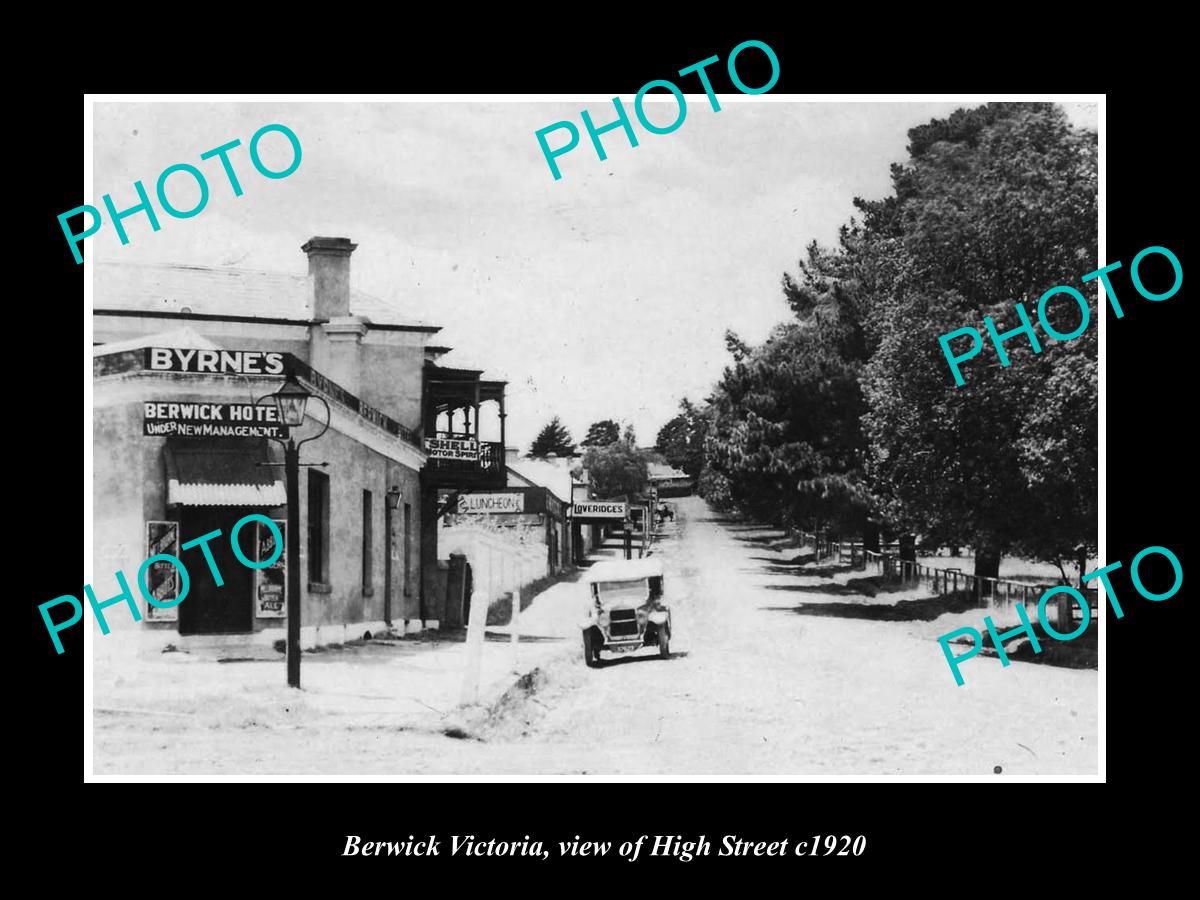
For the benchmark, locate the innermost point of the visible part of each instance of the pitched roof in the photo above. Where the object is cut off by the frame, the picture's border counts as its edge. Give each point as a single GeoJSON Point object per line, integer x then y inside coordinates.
{"type": "Point", "coordinates": [662, 470]}
{"type": "Point", "coordinates": [184, 338]}
{"type": "Point", "coordinates": [208, 290]}
{"type": "Point", "coordinates": [555, 478]}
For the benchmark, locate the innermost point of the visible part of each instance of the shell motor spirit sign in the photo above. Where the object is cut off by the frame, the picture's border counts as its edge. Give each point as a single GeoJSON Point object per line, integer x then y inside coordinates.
{"type": "Point", "coordinates": [199, 419]}
{"type": "Point", "coordinates": [592, 509]}
{"type": "Point", "coordinates": [452, 448]}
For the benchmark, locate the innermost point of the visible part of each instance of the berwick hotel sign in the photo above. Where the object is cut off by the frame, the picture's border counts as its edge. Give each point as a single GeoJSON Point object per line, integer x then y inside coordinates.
{"type": "Point", "coordinates": [268, 363]}
{"type": "Point", "coordinates": [168, 418]}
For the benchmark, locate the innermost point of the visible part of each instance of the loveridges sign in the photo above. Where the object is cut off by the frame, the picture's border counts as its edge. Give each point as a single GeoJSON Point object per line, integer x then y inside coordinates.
{"type": "Point", "coordinates": [592, 509]}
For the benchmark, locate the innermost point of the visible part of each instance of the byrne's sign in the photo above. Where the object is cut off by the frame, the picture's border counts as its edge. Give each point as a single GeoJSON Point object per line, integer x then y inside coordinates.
{"type": "Point", "coordinates": [161, 419]}
{"type": "Point", "coordinates": [592, 509]}
{"type": "Point", "coordinates": [446, 448]}
{"type": "Point", "coordinates": [214, 362]}
{"type": "Point", "coordinates": [485, 504]}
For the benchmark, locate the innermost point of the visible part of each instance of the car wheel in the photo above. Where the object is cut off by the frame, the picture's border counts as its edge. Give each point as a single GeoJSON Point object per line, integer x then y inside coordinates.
{"type": "Point", "coordinates": [664, 643]}
{"type": "Point", "coordinates": [591, 653]}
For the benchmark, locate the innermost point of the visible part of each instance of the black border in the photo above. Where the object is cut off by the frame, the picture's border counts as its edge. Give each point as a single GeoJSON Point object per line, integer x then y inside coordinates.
{"type": "Point", "coordinates": [925, 833]}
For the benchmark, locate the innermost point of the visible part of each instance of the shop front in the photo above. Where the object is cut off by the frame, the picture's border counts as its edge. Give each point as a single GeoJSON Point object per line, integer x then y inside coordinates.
{"type": "Point", "coordinates": [181, 457]}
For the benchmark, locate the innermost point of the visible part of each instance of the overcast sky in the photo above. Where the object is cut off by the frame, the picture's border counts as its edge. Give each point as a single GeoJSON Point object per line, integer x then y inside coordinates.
{"type": "Point", "coordinates": [605, 294]}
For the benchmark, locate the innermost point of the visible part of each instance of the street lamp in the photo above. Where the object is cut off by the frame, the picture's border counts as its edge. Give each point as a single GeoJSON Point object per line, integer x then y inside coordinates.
{"type": "Point", "coordinates": [291, 401]}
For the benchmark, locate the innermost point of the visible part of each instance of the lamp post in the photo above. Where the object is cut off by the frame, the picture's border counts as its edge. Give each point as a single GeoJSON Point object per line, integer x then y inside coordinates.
{"type": "Point", "coordinates": [291, 401]}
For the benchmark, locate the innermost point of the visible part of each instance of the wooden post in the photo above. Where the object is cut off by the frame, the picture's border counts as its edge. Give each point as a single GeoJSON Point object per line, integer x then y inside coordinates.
{"type": "Point", "coordinates": [1066, 622]}
{"type": "Point", "coordinates": [475, 630]}
{"type": "Point", "coordinates": [516, 629]}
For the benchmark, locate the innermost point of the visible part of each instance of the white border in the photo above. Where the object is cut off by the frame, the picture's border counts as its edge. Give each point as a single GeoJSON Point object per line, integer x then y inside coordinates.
{"type": "Point", "coordinates": [967, 99]}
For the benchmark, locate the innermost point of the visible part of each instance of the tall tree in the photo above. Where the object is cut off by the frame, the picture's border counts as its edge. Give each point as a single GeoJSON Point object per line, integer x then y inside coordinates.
{"type": "Point", "coordinates": [554, 438]}
{"type": "Point", "coordinates": [681, 439]}
{"type": "Point", "coordinates": [617, 469]}
{"type": "Point", "coordinates": [606, 431]}
{"type": "Point", "coordinates": [785, 429]}
{"type": "Point", "coordinates": [995, 205]}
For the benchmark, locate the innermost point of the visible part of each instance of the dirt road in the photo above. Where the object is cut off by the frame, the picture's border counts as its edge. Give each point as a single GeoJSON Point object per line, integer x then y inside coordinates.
{"type": "Point", "coordinates": [778, 670]}
{"type": "Point", "coordinates": [755, 687]}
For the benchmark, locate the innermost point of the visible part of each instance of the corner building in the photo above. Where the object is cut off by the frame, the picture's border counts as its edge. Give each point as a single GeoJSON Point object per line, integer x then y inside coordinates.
{"type": "Point", "coordinates": [181, 450]}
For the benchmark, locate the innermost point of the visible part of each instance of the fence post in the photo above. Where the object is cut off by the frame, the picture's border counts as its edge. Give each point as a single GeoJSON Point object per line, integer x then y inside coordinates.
{"type": "Point", "coordinates": [475, 630]}
{"type": "Point", "coordinates": [1065, 620]}
{"type": "Point", "coordinates": [516, 629]}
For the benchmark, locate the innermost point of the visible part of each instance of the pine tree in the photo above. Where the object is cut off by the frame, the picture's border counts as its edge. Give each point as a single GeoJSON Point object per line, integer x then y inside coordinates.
{"type": "Point", "coordinates": [553, 439]}
{"type": "Point", "coordinates": [602, 433]}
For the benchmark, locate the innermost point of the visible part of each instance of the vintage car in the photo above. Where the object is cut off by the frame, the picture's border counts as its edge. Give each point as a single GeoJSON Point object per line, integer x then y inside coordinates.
{"type": "Point", "coordinates": [625, 609]}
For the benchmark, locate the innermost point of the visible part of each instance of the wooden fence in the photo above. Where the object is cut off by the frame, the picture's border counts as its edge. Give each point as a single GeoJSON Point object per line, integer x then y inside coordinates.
{"type": "Point", "coordinates": [991, 593]}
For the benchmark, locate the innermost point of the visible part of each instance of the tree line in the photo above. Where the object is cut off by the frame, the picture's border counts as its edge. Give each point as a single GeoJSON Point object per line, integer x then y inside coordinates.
{"type": "Point", "coordinates": [846, 418]}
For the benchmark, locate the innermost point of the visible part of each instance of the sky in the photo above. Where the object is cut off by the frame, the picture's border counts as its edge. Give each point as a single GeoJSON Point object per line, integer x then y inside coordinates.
{"type": "Point", "coordinates": [603, 295]}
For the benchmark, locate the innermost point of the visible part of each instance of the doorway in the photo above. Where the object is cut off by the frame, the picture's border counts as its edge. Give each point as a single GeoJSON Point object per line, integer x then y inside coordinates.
{"type": "Point", "coordinates": [210, 608]}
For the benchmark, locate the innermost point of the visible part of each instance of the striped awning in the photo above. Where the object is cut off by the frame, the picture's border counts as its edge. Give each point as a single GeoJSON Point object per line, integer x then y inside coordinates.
{"type": "Point", "coordinates": [217, 473]}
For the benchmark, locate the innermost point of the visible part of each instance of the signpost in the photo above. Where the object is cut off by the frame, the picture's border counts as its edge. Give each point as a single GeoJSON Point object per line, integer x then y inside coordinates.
{"type": "Point", "coordinates": [488, 504]}
{"type": "Point", "coordinates": [204, 419]}
{"type": "Point", "coordinates": [598, 509]}
{"type": "Point", "coordinates": [452, 448]}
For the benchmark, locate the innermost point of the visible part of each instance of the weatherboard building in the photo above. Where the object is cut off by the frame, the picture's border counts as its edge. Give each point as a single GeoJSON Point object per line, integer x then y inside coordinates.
{"type": "Point", "coordinates": [184, 361]}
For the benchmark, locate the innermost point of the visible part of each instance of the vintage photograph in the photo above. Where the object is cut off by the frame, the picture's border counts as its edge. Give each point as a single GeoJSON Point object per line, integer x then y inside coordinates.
{"type": "Point", "coordinates": [438, 438]}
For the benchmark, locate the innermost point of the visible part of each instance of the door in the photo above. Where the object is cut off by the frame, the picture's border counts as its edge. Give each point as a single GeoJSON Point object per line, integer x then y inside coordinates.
{"type": "Point", "coordinates": [210, 608]}
{"type": "Point", "coordinates": [389, 555]}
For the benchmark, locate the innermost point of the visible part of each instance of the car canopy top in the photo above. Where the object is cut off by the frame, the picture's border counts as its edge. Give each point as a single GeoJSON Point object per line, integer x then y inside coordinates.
{"type": "Point", "coordinates": [624, 570]}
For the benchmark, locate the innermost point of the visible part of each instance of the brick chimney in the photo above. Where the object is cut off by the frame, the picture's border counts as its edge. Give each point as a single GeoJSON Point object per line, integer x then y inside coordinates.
{"type": "Point", "coordinates": [336, 342]}
{"type": "Point", "coordinates": [329, 266]}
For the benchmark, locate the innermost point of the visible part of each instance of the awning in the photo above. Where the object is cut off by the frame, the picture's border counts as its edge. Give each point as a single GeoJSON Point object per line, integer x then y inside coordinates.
{"type": "Point", "coordinates": [222, 473]}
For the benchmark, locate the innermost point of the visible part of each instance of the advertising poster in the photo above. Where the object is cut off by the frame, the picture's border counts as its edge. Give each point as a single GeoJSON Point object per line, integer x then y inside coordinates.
{"type": "Point", "coordinates": [162, 578]}
{"type": "Point", "coordinates": [270, 587]}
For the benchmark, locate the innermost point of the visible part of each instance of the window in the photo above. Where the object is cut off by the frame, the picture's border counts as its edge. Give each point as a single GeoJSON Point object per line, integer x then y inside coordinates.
{"type": "Point", "coordinates": [368, 539]}
{"type": "Point", "coordinates": [407, 548]}
{"type": "Point", "coordinates": [318, 527]}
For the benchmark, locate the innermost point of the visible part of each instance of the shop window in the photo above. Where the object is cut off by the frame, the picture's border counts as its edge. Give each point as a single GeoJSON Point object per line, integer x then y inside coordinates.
{"type": "Point", "coordinates": [318, 527]}
{"type": "Point", "coordinates": [368, 540]}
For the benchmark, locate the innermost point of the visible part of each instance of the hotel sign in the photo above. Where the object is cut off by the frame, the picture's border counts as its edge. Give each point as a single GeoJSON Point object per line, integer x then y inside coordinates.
{"type": "Point", "coordinates": [174, 419]}
{"type": "Point", "coordinates": [214, 362]}
{"type": "Point", "coordinates": [592, 509]}
{"type": "Point", "coordinates": [446, 448]}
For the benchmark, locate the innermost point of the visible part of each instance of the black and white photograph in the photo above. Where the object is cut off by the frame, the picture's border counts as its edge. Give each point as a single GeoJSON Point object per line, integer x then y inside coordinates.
{"type": "Point", "coordinates": [702, 434]}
